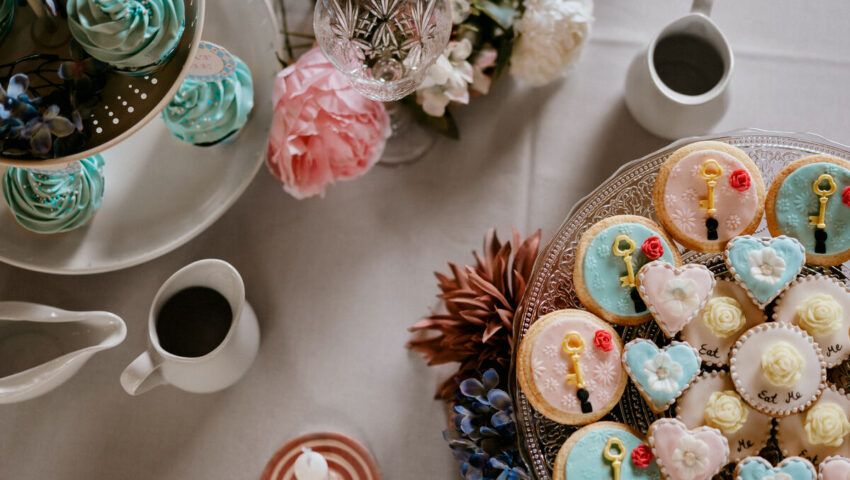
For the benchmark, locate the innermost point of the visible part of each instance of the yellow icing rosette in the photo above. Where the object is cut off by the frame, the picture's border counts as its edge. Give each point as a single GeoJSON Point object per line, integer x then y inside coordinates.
{"type": "Point", "coordinates": [820, 314]}
{"type": "Point", "coordinates": [826, 424]}
{"type": "Point", "coordinates": [782, 364]}
{"type": "Point", "coordinates": [725, 410]}
{"type": "Point", "coordinates": [723, 316]}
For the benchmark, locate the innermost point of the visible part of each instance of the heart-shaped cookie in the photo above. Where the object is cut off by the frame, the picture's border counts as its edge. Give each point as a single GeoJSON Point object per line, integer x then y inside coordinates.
{"type": "Point", "coordinates": [661, 375]}
{"type": "Point", "coordinates": [834, 468]}
{"type": "Point", "coordinates": [765, 266]}
{"type": "Point", "coordinates": [674, 295]}
{"type": "Point", "coordinates": [684, 454]}
{"type": "Point", "coordinates": [792, 468]}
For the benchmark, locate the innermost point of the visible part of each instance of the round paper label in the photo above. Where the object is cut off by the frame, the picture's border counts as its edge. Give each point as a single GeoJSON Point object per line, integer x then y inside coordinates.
{"type": "Point", "coordinates": [211, 63]}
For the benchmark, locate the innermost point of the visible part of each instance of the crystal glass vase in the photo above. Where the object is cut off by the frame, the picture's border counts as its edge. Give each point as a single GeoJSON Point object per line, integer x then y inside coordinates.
{"type": "Point", "coordinates": [384, 48]}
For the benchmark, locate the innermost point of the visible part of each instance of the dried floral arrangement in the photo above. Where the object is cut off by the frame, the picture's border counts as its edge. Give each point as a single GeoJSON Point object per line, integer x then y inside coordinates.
{"type": "Point", "coordinates": [476, 332]}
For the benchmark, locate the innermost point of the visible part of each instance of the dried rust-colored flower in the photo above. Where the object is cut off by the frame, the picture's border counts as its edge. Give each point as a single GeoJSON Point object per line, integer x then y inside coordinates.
{"type": "Point", "coordinates": [476, 329]}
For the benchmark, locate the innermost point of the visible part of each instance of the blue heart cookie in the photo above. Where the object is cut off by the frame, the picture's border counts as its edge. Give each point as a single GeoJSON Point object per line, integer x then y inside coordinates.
{"type": "Point", "coordinates": [792, 468]}
{"type": "Point", "coordinates": [661, 375]}
{"type": "Point", "coordinates": [765, 266]}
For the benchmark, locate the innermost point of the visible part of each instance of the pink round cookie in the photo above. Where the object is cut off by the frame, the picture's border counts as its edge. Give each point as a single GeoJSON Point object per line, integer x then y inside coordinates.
{"type": "Point", "coordinates": [834, 468]}
{"type": "Point", "coordinates": [547, 372]}
{"type": "Point", "coordinates": [821, 306]}
{"type": "Point", "coordinates": [682, 195]}
{"type": "Point", "coordinates": [754, 430]}
{"type": "Point", "coordinates": [794, 439]}
{"type": "Point", "coordinates": [714, 335]}
{"type": "Point", "coordinates": [777, 369]}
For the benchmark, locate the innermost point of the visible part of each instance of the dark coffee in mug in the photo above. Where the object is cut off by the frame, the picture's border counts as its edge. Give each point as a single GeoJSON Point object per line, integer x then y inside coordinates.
{"type": "Point", "coordinates": [687, 64]}
{"type": "Point", "coordinates": [193, 322]}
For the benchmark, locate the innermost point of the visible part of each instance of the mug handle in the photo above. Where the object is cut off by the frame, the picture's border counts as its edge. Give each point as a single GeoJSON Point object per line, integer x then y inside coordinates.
{"type": "Point", "coordinates": [142, 375]}
{"type": "Point", "coordinates": [702, 6]}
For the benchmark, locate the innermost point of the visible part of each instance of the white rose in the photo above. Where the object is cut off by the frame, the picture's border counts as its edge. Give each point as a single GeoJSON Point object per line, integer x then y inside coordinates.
{"type": "Point", "coordinates": [726, 411]}
{"type": "Point", "coordinates": [551, 34]}
{"type": "Point", "coordinates": [723, 316]}
{"type": "Point", "coordinates": [782, 364]}
{"type": "Point", "coordinates": [820, 314]}
{"type": "Point", "coordinates": [826, 424]}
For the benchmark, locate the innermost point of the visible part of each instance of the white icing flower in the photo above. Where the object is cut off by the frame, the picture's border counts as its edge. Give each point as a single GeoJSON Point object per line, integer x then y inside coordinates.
{"type": "Point", "coordinates": [550, 352]}
{"type": "Point", "coordinates": [690, 195]}
{"type": "Point", "coordinates": [539, 368]}
{"type": "Point", "coordinates": [550, 384]}
{"type": "Point", "coordinates": [733, 222]}
{"type": "Point", "coordinates": [569, 402]}
{"type": "Point", "coordinates": [551, 36]}
{"type": "Point", "coordinates": [779, 476]}
{"type": "Point", "coordinates": [680, 296]}
{"type": "Point", "coordinates": [605, 372]}
{"type": "Point", "coordinates": [690, 458]}
{"type": "Point", "coordinates": [782, 364]}
{"type": "Point", "coordinates": [663, 373]}
{"type": "Point", "coordinates": [684, 218]}
{"type": "Point", "coordinates": [724, 316]}
{"type": "Point", "coordinates": [765, 265]}
{"type": "Point", "coordinates": [725, 410]}
{"type": "Point", "coordinates": [826, 424]}
{"type": "Point", "coordinates": [820, 314]}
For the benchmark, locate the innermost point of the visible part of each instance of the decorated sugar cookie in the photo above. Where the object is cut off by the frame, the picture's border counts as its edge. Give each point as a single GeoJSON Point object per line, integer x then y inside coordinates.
{"type": "Point", "coordinates": [569, 367]}
{"type": "Point", "coordinates": [834, 468]}
{"type": "Point", "coordinates": [708, 193]}
{"type": "Point", "coordinates": [764, 266]}
{"type": "Point", "coordinates": [820, 305]}
{"type": "Point", "coordinates": [809, 200]}
{"type": "Point", "coordinates": [660, 375]}
{"type": "Point", "coordinates": [610, 254]}
{"type": "Point", "coordinates": [674, 295]}
{"type": "Point", "coordinates": [683, 454]}
{"type": "Point", "coordinates": [778, 369]}
{"type": "Point", "coordinates": [791, 468]}
{"type": "Point", "coordinates": [712, 400]}
{"type": "Point", "coordinates": [606, 450]}
{"type": "Point", "coordinates": [820, 431]}
{"type": "Point", "coordinates": [726, 315]}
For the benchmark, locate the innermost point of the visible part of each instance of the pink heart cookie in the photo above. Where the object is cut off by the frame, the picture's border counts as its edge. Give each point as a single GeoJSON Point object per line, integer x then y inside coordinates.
{"type": "Point", "coordinates": [684, 454]}
{"type": "Point", "coordinates": [834, 468]}
{"type": "Point", "coordinates": [674, 295]}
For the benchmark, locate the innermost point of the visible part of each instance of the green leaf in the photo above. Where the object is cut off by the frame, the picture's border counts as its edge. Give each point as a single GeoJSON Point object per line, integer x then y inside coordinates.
{"type": "Point", "coordinates": [501, 14]}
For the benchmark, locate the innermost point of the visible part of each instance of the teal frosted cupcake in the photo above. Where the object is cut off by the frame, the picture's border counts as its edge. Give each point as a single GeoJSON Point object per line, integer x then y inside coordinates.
{"type": "Point", "coordinates": [7, 17]}
{"type": "Point", "coordinates": [211, 110]}
{"type": "Point", "coordinates": [137, 36]}
{"type": "Point", "coordinates": [55, 202]}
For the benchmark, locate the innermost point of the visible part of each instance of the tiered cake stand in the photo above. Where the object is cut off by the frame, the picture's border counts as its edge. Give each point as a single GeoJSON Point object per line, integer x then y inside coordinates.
{"type": "Point", "coordinates": [629, 191]}
{"type": "Point", "coordinates": [128, 102]}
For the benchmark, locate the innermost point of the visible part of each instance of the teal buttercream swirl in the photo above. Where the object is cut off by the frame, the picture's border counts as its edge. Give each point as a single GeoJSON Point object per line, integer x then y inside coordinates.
{"type": "Point", "coordinates": [128, 34]}
{"type": "Point", "coordinates": [54, 203]}
{"type": "Point", "coordinates": [206, 112]}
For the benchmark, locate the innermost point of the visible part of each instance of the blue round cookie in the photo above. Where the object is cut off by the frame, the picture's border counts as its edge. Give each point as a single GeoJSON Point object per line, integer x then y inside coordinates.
{"type": "Point", "coordinates": [585, 457]}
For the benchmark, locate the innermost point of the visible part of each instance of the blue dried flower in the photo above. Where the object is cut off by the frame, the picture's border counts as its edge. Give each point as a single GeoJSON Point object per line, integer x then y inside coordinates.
{"type": "Point", "coordinates": [14, 100]}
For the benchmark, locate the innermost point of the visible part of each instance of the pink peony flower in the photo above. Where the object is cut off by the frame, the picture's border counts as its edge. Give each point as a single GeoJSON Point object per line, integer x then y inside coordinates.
{"type": "Point", "coordinates": [323, 130]}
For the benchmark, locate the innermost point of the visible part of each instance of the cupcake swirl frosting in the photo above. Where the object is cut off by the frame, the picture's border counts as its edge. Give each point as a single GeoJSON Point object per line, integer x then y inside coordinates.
{"type": "Point", "coordinates": [204, 112]}
{"type": "Point", "coordinates": [128, 34]}
{"type": "Point", "coordinates": [54, 203]}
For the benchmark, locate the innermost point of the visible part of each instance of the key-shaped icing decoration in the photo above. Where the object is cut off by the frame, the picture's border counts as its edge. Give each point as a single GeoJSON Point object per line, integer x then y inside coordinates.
{"type": "Point", "coordinates": [614, 452]}
{"type": "Point", "coordinates": [573, 345]}
{"type": "Point", "coordinates": [627, 280]}
{"type": "Point", "coordinates": [710, 171]}
{"type": "Point", "coordinates": [819, 222]}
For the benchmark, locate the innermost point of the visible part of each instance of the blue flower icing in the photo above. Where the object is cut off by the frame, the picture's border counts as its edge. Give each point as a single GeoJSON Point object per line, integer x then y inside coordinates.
{"type": "Point", "coordinates": [602, 269]}
{"type": "Point", "coordinates": [786, 248]}
{"type": "Point", "coordinates": [206, 112]}
{"type": "Point", "coordinates": [54, 203]}
{"type": "Point", "coordinates": [585, 459]}
{"type": "Point", "coordinates": [129, 34]}
{"type": "Point", "coordinates": [795, 202]}
{"type": "Point", "coordinates": [639, 352]}
{"type": "Point", "coordinates": [756, 469]}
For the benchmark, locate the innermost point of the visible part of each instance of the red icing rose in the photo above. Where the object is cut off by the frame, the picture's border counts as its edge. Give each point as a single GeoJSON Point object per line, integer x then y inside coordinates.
{"type": "Point", "coordinates": [652, 248]}
{"type": "Point", "coordinates": [740, 180]}
{"type": "Point", "coordinates": [602, 340]}
{"type": "Point", "coordinates": [642, 456]}
{"type": "Point", "coordinates": [845, 196]}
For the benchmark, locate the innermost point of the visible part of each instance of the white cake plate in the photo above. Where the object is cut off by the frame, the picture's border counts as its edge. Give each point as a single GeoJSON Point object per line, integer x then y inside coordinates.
{"type": "Point", "coordinates": [160, 193]}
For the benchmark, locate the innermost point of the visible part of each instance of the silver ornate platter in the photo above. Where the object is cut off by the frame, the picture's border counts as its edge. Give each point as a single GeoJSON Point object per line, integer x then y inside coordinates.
{"type": "Point", "coordinates": [629, 191]}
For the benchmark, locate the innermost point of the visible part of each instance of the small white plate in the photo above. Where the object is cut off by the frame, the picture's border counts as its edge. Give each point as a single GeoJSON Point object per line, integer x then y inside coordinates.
{"type": "Point", "coordinates": [160, 193]}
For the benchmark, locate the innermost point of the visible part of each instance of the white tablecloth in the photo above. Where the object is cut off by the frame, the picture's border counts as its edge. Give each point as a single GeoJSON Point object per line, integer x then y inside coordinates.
{"type": "Point", "coordinates": [336, 282]}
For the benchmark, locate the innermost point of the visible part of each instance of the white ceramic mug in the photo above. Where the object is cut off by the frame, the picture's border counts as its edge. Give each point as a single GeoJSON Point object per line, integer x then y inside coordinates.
{"type": "Point", "coordinates": [662, 110]}
{"type": "Point", "coordinates": [216, 370]}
